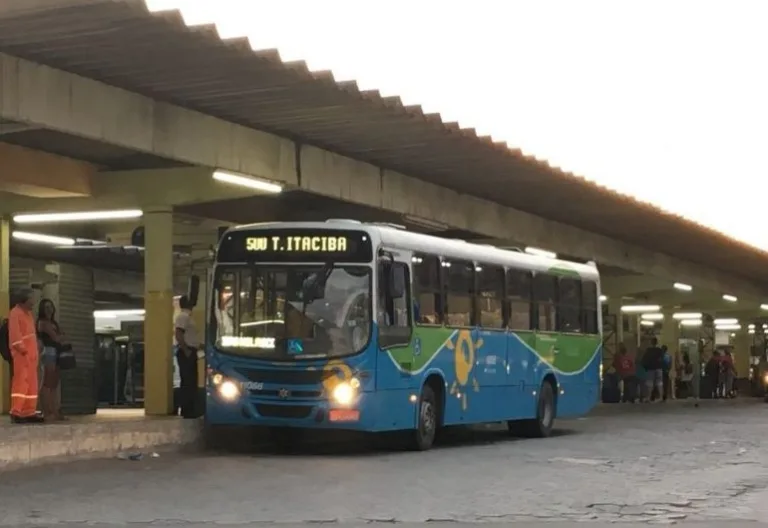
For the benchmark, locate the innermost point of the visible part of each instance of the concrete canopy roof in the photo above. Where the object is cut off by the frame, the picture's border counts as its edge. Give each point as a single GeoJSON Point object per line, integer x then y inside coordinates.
{"type": "Point", "coordinates": [120, 43]}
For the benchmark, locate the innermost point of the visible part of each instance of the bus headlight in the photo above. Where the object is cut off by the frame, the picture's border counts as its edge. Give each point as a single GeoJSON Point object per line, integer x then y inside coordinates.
{"type": "Point", "coordinates": [228, 391]}
{"type": "Point", "coordinates": [344, 393]}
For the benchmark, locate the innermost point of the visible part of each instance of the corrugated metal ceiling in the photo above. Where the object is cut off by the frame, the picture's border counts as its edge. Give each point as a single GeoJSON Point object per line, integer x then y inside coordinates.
{"type": "Point", "coordinates": [119, 42]}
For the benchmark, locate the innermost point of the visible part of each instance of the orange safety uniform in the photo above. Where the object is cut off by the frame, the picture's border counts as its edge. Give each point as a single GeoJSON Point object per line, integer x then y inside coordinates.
{"type": "Point", "coordinates": [23, 341]}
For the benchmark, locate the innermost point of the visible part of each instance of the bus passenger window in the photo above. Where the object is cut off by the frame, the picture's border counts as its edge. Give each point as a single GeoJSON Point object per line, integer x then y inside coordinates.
{"type": "Point", "coordinates": [544, 289]}
{"type": "Point", "coordinates": [393, 311]}
{"type": "Point", "coordinates": [459, 306]}
{"type": "Point", "coordinates": [589, 307]}
{"type": "Point", "coordinates": [519, 295]}
{"type": "Point", "coordinates": [569, 306]}
{"type": "Point", "coordinates": [427, 294]}
{"type": "Point", "coordinates": [490, 292]}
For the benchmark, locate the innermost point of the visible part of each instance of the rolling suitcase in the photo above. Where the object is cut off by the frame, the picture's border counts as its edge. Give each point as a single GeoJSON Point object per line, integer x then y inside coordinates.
{"type": "Point", "coordinates": [611, 389]}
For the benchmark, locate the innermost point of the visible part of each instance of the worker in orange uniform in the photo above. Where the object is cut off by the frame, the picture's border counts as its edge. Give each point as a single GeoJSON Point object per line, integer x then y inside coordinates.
{"type": "Point", "coordinates": [23, 340]}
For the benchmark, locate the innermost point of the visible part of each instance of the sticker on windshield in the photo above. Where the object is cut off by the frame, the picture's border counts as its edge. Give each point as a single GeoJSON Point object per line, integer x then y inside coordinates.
{"type": "Point", "coordinates": [295, 347]}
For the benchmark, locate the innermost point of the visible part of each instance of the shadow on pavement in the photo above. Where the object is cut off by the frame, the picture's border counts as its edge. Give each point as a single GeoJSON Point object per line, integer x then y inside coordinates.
{"type": "Point", "coordinates": [343, 443]}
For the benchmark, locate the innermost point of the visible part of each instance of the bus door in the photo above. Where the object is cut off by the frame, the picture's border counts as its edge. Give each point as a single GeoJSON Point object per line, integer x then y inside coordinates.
{"type": "Point", "coordinates": [394, 320]}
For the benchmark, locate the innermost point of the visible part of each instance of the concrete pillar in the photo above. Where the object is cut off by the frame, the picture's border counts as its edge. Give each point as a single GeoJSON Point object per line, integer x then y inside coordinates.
{"type": "Point", "coordinates": [158, 319]}
{"type": "Point", "coordinates": [5, 299]}
{"type": "Point", "coordinates": [614, 308]}
{"type": "Point", "coordinates": [613, 334]}
{"type": "Point", "coordinates": [670, 336]}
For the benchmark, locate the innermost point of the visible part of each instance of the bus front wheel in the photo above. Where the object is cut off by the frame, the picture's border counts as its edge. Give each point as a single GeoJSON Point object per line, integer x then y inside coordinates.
{"type": "Point", "coordinates": [541, 426]}
{"type": "Point", "coordinates": [426, 427]}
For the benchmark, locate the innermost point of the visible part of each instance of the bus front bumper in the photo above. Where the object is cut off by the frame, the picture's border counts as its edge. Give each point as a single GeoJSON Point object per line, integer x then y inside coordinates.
{"type": "Point", "coordinates": [248, 410]}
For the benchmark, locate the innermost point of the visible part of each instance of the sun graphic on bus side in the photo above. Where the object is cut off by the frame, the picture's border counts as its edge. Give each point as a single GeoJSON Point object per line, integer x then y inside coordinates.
{"type": "Point", "coordinates": [464, 350]}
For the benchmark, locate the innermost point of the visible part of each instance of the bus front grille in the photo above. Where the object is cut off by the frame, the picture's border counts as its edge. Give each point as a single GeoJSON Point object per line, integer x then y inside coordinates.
{"type": "Point", "coordinates": [301, 394]}
{"type": "Point", "coordinates": [284, 377]}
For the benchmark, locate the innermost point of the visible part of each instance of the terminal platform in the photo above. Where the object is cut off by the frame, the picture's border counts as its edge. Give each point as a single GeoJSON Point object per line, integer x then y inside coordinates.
{"type": "Point", "coordinates": [109, 433]}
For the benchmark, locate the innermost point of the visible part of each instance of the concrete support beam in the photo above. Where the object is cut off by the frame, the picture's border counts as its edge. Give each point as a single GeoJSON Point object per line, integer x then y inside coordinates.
{"type": "Point", "coordinates": [632, 284]}
{"type": "Point", "coordinates": [41, 175]}
{"type": "Point", "coordinates": [158, 319]}
{"type": "Point", "coordinates": [43, 96]}
{"type": "Point", "coordinates": [5, 301]}
{"type": "Point", "coordinates": [333, 175]}
{"type": "Point", "coordinates": [130, 189]}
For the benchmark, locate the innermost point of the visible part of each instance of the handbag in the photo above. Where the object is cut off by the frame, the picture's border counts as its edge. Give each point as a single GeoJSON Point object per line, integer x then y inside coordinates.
{"type": "Point", "coordinates": [65, 357]}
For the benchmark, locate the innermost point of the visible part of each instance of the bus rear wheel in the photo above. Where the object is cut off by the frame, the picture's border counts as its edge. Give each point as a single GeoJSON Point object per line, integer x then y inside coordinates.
{"type": "Point", "coordinates": [427, 422]}
{"type": "Point", "coordinates": [541, 426]}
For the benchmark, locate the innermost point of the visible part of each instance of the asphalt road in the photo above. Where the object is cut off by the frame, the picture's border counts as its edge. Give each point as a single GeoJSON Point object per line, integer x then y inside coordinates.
{"type": "Point", "coordinates": [703, 466]}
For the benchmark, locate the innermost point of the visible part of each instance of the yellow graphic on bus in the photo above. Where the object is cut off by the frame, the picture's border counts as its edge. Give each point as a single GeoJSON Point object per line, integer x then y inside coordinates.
{"type": "Point", "coordinates": [335, 372]}
{"type": "Point", "coordinates": [464, 360]}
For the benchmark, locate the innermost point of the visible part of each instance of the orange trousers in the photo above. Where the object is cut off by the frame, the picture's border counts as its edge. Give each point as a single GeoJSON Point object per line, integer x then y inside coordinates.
{"type": "Point", "coordinates": [24, 387]}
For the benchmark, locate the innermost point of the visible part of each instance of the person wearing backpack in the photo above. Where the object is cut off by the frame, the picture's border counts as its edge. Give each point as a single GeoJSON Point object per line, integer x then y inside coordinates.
{"type": "Point", "coordinates": [22, 336]}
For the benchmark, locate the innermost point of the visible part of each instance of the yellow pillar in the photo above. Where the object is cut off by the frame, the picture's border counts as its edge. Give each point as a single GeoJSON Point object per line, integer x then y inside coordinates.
{"type": "Point", "coordinates": [742, 354]}
{"type": "Point", "coordinates": [5, 297]}
{"type": "Point", "coordinates": [199, 317]}
{"type": "Point", "coordinates": [158, 318]}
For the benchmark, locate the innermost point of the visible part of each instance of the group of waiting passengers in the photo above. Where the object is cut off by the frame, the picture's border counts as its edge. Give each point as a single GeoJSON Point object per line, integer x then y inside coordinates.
{"type": "Point", "coordinates": [649, 379]}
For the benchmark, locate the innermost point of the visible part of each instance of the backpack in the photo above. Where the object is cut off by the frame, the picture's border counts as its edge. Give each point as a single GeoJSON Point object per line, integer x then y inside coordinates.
{"type": "Point", "coordinates": [5, 341]}
{"type": "Point", "coordinates": [626, 365]}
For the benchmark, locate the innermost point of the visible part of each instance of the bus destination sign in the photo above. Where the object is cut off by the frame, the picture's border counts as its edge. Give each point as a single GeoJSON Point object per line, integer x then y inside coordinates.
{"type": "Point", "coordinates": [300, 245]}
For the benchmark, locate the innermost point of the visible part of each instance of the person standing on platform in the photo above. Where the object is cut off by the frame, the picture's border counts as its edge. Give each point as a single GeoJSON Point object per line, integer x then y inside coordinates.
{"type": "Point", "coordinates": [52, 339]}
{"type": "Point", "coordinates": [23, 343]}
{"type": "Point", "coordinates": [624, 366]}
{"type": "Point", "coordinates": [187, 345]}
{"type": "Point", "coordinates": [666, 370]}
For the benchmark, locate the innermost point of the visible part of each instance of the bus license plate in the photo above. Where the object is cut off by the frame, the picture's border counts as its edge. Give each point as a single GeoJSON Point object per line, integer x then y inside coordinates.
{"type": "Point", "coordinates": [343, 415]}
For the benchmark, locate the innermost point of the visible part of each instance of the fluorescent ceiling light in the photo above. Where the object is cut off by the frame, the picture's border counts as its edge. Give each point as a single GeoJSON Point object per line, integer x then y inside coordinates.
{"type": "Point", "coordinates": [247, 181]}
{"type": "Point", "coordinates": [682, 287]}
{"type": "Point", "coordinates": [82, 216]}
{"type": "Point", "coordinates": [751, 330]}
{"type": "Point", "coordinates": [109, 314]}
{"type": "Point", "coordinates": [652, 316]}
{"type": "Point", "coordinates": [640, 308]}
{"type": "Point", "coordinates": [647, 323]}
{"type": "Point", "coordinates": [727, 321]}
{"type": "Point", "coordinates": [728, 327]}
{"type": "Point", "coordinates": [764, 306]}
{"type": "Point", "coordinates": [259, 323]}
{"type": "Point", "coordinates": [691, 322]}
{"type": "Point", "coordinates": [686, 315]}
{"type": "Point", "coordinates": [751, 326]}
{"type": "Point", "coordinates": [730, 298]}
{"type": "Point", "coordinates": [43, 239]}
{"type": "Point", "coordinates": [603, 298]}
{"type": "Point", "coordinates": [540, 252]}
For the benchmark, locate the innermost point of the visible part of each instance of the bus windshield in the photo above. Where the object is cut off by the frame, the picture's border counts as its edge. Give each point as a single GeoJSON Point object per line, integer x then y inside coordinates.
{"type": "Point", "coordinates": [290, 312]}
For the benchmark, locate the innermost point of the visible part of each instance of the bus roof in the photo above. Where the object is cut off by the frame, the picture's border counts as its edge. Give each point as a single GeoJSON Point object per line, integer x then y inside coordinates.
{"type": "Point", "coordinates": [399, 238]}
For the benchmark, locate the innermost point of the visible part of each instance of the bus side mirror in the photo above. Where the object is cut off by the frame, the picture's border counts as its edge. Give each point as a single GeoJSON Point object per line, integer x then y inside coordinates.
{"type": "Point", "coordinates": [193, 290]}
{"type": "Point", "coordinates": [396, 281]}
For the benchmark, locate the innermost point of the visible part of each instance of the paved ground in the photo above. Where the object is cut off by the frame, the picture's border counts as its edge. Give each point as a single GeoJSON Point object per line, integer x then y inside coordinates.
{"type": "Point", "coordinates": [660, 464]}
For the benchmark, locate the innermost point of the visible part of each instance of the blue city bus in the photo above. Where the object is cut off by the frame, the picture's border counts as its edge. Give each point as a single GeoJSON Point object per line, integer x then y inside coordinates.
{"type": "Point", "coordinates": [369, 327]}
